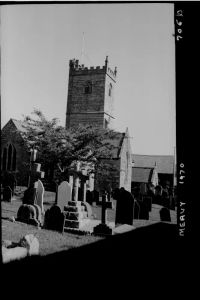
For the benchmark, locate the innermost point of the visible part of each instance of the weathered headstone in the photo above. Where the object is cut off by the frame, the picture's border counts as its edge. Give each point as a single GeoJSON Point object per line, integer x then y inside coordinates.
{"type": "Point", "coordinates": [7, 194]}
{"type": "Point", "coordinates": [30, 195]}
{"type": "Point", "coordinates": [28, 245]}
{"type": "Point", "coordinates": [54, 218]}
{"type": "Point", "coordinates": [124, 207]}
{"type": "Point", "coordinates": [28, 213]}
{"type": "Point", "coordinates": [64, 194]}
{"type": "Point", "coordinates": [165, 214]}
{"type": "Point", "coordinates": [40, 195]}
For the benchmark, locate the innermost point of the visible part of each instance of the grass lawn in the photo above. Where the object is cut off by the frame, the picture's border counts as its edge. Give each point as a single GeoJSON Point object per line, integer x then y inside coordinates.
{"type": "Point", "coordinates": [52, 241]}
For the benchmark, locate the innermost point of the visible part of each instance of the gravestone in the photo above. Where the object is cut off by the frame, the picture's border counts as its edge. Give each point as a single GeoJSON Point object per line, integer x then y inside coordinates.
{"type": "Point", "coordinates": [124, 207]}
{"type": "Point", "coordinates": [88, 209]}
{"type": "Point", "coordinates": [7, 194]}
{"type": "Point", "coordinates": [29, 214]}
{"type": "Point", "coordinates": [64, 194]}
{"type": "Point", "coordinates": [54, 218]}
{"type": "Point", "coordinates": [165, 214]}
{"type": "Point", "coordinates": [109, 203]}
{"type": "Point", "coordinates": [144, 210]}
{"type": "Point", "coordinates": [136, 210]}
{"type": "Point", "coordinates": [40, 195]}
{"type": "Point", "coordinates": [29, 195]}
{"type": "Point", "coordinates": [148, 202]}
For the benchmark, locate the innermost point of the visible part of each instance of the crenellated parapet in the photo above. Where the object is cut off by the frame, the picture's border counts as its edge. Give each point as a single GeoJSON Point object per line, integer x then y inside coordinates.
{"type": "Point", "coordinates": [79, 69]}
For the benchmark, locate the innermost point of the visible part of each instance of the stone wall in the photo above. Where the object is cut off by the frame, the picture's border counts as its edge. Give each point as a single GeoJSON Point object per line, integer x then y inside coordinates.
{"type": "Point", "coordinates": [92, 106]}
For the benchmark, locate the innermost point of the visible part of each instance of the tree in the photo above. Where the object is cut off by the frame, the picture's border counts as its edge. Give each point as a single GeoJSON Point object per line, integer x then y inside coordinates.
{"type": "Point", "coordinates": [59, 147]}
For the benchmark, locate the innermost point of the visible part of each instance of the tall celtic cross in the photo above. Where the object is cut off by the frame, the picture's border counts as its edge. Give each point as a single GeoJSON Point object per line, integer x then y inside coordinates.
{"type": "Point", "coordinates": [34, 173]}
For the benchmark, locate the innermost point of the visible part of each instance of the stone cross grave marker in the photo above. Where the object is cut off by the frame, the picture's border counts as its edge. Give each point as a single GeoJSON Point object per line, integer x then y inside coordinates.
{"type": "Point", "coordinates": [35, 174]}
{"type": "Point", "coordinates": [103, 228]}
{"type": "Point", "coordinates": [40, 195]}
{"type": "Point", "coordinates": [64, 194]}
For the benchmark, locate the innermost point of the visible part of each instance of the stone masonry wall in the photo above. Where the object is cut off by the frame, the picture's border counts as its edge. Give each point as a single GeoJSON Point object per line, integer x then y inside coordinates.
{"type": "Point", "coordinates": [80, 102]}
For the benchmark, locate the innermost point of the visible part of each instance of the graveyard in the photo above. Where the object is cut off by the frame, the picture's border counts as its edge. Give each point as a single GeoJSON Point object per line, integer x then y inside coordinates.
{"type": "Point", "coordinates": [52, 241]}
{"type": "Point", "coordinates": [41, 221]}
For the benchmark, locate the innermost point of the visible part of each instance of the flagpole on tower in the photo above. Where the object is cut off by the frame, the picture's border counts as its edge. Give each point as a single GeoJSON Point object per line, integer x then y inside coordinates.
{"type": "Point", "coordinates": [82, 49]}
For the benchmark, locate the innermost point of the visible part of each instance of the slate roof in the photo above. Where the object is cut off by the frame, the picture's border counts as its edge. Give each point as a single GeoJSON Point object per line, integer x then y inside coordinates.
{"type": "Point", "coordinates": [141, 174]}
{"type": "Point", "coordinates": [116, 141]}
{"type": "Point", "coordinates": [164, 163]}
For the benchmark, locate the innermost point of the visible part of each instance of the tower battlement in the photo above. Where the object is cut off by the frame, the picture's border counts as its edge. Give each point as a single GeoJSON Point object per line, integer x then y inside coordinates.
{"type": "Point", "coordinates": [79, 69]}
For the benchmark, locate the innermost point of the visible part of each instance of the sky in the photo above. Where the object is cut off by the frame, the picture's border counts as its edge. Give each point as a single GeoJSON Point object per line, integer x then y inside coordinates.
{"type": "Point", "coordinates": [37, 42]}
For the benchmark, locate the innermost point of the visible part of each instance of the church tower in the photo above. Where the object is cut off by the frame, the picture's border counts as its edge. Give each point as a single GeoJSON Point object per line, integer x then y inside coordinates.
{"type": "Point", "coordinates": [90, 95]}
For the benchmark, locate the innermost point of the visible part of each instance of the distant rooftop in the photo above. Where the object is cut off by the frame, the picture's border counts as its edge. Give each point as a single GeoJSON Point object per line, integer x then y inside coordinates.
{"type": "Point", "coordinates": [164, 163]}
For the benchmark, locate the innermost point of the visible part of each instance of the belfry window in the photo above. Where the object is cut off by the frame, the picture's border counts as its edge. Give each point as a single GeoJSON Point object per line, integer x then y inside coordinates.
{"type": "Point", "coordinates": [88, 87]}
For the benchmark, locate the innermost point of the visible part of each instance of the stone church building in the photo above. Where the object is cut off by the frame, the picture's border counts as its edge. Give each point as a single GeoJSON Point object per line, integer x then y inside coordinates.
{"type": "Point", "coordinates": [90, 101]}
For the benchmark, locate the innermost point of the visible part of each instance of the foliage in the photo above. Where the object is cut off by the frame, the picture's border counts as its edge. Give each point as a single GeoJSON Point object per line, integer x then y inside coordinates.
{"type": "Point", "coordinates": [59, 147]}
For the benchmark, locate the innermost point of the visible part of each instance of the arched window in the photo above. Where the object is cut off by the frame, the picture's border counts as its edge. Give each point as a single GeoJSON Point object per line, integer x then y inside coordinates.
{"type": "Point", "coordinates": [9, 164]}
{"type": "Point", "coordinates": [14, 159]}
{"type": "Point", "coordinates": [4, 164]}
{"type": "Point", "coordinates": [110, 90]}
{"type": "Point", "coordinates": [9, 158]}
{"type": "Point", "coordinates": [88, 87]}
